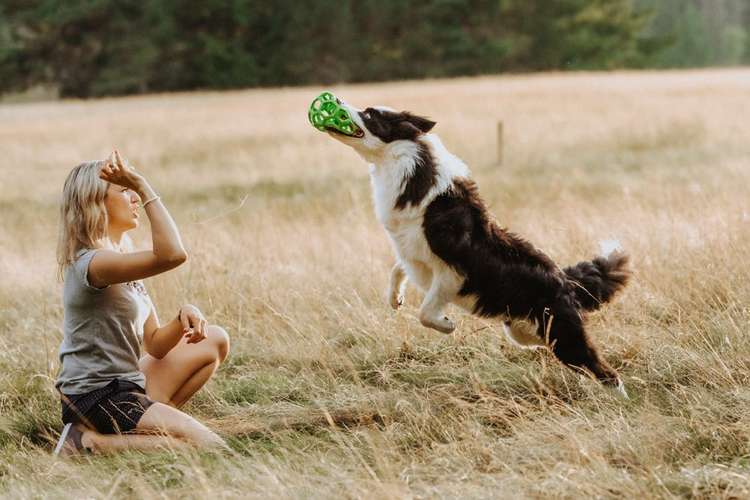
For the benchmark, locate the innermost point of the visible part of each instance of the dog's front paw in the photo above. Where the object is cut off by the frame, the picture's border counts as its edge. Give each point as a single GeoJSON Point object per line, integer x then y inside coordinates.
{"type": "Point", "coordinates": [443, 325]}
{"type": "Point", "coordinates": [396, 300]}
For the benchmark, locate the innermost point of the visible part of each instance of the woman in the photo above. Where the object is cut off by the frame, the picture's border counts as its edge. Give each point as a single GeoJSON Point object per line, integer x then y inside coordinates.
{"type": "Point", "coordinates": [112, 398]}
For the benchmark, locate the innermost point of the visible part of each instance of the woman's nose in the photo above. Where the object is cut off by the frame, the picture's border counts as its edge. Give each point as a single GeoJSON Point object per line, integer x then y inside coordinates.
{"type": "Point", "coordinates": [134, 198]}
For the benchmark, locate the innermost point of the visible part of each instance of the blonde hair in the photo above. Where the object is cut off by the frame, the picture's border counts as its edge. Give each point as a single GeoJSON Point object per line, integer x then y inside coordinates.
{"type": "Point", "coordinates": [83, 215]}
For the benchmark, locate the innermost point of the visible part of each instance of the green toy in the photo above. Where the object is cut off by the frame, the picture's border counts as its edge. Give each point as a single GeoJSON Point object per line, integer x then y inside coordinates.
{"type": "Point", "coordinates": [325, 114]}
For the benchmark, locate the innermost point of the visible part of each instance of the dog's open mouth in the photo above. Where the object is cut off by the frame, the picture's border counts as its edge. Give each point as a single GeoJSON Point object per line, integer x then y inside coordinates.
{"type": "Point", "coordinates": [358, 132]}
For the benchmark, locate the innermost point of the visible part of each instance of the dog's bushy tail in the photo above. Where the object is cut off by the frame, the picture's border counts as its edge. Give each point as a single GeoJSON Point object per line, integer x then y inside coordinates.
{"type": "Point", "coordinates": [595, 282]}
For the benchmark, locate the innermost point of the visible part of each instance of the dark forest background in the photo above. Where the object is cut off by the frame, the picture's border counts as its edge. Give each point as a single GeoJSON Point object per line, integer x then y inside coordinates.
{"type": "Point", "coordinates": [91, 48]}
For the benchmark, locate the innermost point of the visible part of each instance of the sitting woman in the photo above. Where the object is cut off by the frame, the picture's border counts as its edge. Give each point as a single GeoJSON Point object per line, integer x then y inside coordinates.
{"type": "Point", "coordinates": [112, 397]}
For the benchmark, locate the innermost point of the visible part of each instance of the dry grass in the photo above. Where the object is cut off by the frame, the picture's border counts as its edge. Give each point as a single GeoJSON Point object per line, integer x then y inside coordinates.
{"type": "Point", "coordinates": [327, 391]}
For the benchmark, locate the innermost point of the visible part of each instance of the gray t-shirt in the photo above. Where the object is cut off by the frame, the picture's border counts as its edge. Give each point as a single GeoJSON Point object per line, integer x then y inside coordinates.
{"type": "Point", "coordinates": [102, 330]}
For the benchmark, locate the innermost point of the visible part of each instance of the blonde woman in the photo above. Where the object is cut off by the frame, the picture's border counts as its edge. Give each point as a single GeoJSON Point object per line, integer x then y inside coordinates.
{"type": "Point", "coordinates": [113, 397]}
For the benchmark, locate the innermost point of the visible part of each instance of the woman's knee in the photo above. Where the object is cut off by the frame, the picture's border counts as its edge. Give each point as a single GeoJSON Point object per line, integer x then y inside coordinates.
{"type": "Point", "coordinates": [219, 338]}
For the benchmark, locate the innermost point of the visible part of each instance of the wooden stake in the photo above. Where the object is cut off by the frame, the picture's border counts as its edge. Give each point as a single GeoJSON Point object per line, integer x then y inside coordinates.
{"type": "Point", "coordinates": [499, 142]}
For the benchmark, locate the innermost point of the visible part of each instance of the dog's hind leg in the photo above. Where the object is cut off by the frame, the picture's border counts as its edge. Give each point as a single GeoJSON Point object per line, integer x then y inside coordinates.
{"type": "Point", "coordinates": [397, 286]}
{"type": "Point", "coordinates": [443, 289]}
{"type": "Point", "coordinates": [570, 343]}
{"type": "Point", "coordinates": [523, 333]}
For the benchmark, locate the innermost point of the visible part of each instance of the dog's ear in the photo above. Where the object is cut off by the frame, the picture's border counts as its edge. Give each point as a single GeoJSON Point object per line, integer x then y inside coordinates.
{"type": "Point", "coordinates": [421, 123]}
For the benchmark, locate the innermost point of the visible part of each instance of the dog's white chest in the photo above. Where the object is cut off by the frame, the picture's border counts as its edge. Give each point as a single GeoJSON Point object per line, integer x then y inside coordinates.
{"type": "Point", "coordinates": [406, 232]}
{"type": "Point", "coordinates": [404, 226]}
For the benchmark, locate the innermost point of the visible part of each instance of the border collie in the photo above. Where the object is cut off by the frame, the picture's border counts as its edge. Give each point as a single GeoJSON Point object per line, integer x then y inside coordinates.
{"type": "Point", "coordinates": [449, 245]}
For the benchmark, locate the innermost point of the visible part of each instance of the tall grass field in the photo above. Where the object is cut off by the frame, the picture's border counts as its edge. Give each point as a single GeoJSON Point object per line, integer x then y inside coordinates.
{"type": "Point", "coordinates": [327, 391]}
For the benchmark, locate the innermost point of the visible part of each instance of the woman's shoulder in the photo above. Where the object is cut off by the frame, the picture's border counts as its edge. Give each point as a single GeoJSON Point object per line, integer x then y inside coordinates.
{"type": "Point", "coordinates": [84, 251]}
{"type": "Point", "coordinates": [83, 258]}
{"type": "Point", "coordinates": [79, 269]}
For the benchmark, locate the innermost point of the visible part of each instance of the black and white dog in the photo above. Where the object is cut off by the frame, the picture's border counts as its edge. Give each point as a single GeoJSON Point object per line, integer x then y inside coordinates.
{"type": "Point", "coordinates": [450, 246]}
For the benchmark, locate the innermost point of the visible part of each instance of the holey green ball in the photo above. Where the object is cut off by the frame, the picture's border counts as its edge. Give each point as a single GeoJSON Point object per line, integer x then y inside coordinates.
{"type": "Point", "coordinates": [326, 114]}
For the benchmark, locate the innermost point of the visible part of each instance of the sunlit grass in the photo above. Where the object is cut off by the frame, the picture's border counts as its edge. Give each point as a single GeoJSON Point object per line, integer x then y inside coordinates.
{"type": "Point", "coordinates": [329, 392]}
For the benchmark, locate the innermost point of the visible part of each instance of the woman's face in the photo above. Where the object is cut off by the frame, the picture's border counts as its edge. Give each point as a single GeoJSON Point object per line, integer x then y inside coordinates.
{"type": "Point", "coordinates": [122, 209]}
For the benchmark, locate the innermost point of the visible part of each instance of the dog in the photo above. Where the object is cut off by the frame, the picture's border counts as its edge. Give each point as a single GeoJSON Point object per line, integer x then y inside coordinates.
{"type": "Point", "coordinates": [449, 245]}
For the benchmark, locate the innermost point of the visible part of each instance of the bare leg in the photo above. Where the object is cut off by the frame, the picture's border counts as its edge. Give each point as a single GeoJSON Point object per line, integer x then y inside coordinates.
{"type": "Point", "coordinates": [397, 286]}
{"type": "Point", "coordinates": [186, 368]}
{"type": "Point", "coordinates": [161, 426]}
{"type": "Point", "coordinates": [113, 443]}
{"type": "Point", "coordinates": [442, 290]}
{"type": "Point", "coordinates": [191, 385]}
{"type": "Point", "coordinates": [164, 419]}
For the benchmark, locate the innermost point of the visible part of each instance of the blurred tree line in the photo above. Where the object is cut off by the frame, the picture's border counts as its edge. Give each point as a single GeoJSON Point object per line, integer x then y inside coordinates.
{"type": "Point", "coordinates": [700, 32]}
{"type": "Point", "coordinates": [91, 48]}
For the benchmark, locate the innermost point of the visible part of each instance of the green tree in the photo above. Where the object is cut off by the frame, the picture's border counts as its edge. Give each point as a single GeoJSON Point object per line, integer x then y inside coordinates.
{"type": "Point", "coordinates": [579, 34]}
{"type": "Point", "coordinates": [700, 32]}
{"type": "Point", "coordinates": [105, 47]}
{"type": "Point", "coordinates": [87, 48]}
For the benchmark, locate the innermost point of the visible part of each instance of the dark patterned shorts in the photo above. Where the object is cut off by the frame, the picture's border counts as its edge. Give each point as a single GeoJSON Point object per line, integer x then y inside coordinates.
{"type": "Point", "coordinates": [112, 409]}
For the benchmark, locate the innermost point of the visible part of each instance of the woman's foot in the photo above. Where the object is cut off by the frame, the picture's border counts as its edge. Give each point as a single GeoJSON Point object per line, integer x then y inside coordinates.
{"type": "Point", "coordinates": [71, 442]}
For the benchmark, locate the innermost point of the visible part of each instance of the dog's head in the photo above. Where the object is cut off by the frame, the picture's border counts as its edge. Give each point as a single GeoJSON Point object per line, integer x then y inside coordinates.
{"type": "Point", "coordinates": [379, 128]}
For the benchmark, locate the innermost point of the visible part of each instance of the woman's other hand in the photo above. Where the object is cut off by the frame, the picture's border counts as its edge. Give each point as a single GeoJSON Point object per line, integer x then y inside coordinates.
{"type": "Point", "coordinates": [117, 171]}
{"type": "Point", "coordinates": [193, 323]}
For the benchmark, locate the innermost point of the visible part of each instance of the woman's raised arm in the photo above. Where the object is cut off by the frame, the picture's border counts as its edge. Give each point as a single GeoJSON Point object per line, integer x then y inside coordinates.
{"type": "Point", "coordinates": [109, 267]}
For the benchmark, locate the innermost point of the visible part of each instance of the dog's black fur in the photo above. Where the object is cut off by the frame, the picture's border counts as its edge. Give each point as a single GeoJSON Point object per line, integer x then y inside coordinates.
{"type": "Point", "coordinates": [512, 278]}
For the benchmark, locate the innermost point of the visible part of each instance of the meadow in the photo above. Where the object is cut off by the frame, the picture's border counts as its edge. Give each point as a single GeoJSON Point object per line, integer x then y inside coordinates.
{"type": "Point", "coordinates": [328, 392]}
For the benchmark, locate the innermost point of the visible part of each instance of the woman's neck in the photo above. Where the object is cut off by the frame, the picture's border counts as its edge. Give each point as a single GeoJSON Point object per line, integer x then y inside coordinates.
{"type": "Point", "coordinates": [115, 238]}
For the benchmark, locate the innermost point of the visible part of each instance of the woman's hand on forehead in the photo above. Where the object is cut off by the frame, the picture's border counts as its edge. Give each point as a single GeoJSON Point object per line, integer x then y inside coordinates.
{"type": "Point", "coordinates": [118, 171]}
